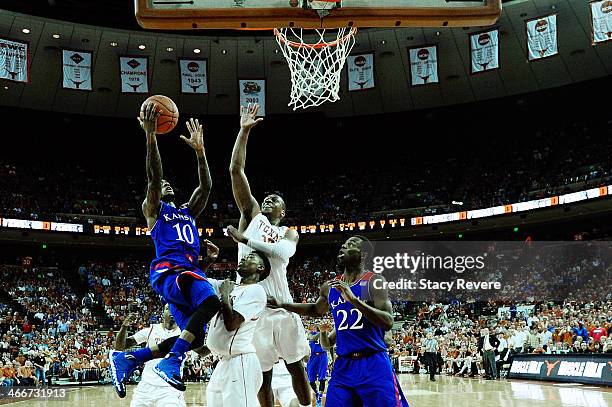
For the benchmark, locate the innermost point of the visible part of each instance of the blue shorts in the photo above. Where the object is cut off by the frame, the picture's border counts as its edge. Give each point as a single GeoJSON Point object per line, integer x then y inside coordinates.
{"type": "Point", "coordinates": [182, 285]}
{"type": "Point", "coordinates": [366, 382]}
{"type": "Point", "coordinates": [317, 367]}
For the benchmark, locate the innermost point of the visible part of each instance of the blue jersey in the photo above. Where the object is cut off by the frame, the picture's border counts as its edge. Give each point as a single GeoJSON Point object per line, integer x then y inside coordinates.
{"type": "Point", "coordinates": [315, 346]}
{"type": "Point", "coordinates": [175, 235]}
{"type": "Point", "coordinates": [353, 332]}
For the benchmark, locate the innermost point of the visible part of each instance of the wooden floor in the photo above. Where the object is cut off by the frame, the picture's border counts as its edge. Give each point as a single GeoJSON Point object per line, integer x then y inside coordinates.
{"type": "Point", "coordinates": [458, 392]}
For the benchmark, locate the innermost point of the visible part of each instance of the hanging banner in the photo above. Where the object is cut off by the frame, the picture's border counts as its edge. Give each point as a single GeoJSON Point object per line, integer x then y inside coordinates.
{"type": "Point", "coordinates": [194, 76]}
{"type": "Point", "coordinates": [253, 91]}
{"type": "Point", "coordinates": [134, 74]}
{"type": "Point", "coordinates": [423, 65]}
{"type": "Point", "coordinates": [77, 69]}
{"type": "Point", "coordinates": [14, 60]}
{"type": "Point", "coordinates": [601, 20]}
{"type": "Point", "coordinates": [542, 37]}
{"type": "Point", "coordinates": [360, 72]}
{"type": "Point", "coordinates": [484, 51]}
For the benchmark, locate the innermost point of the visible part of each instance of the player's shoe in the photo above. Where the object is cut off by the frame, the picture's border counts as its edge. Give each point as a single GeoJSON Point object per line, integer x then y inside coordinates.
{"type": "Point", "coordinates": [319, 400]}
{"type": "Point", "coordinates": [122, 365]}
{"type": "Point", "coordinates": [169, 369]}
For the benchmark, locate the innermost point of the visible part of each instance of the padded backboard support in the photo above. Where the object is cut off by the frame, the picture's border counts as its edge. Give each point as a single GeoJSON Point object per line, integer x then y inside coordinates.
{"type": "Point", "coordinates": [265, 14]}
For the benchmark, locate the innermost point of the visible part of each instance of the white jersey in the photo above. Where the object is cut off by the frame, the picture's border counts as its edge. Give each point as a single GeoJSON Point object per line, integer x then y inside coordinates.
{"type": "Point", "coordinates": [250, 302]}
{"type": "Point", "coordinates": [154, 335]}
{"type": "Point", "coordinates": [261, 229]}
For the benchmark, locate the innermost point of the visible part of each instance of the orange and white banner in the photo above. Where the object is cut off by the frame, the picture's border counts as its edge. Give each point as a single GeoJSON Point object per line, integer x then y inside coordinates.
{"type": "Point", "coordinates": [134, 74]}
{"type": "Point", "coordinates": [601, 18]}
{"type": "Point", "coordinates": [423, 65]}
{"type": "Point", "coordinates": [14, 60]}
{"type": "Point", "coordinates": [484, 51]}
{"type": "Point", "coordinates": [542, 37]}
{"type": "Point", "coordinates": [77, 69]}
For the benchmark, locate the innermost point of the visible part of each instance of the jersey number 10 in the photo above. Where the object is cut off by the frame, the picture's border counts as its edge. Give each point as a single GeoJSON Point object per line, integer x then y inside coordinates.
{"type": "Point", "coordinates": [186, 235]}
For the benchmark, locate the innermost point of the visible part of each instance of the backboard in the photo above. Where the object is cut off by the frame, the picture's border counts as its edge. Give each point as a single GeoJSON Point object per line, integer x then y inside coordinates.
{"type": "Point", "coordinates": [265, 14]}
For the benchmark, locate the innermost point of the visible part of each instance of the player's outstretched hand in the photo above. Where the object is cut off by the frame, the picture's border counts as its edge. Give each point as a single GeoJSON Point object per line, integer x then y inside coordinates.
{"type": "Point", "coordinates": [325, 327]}
{"type": "Point", "coordinates": [196, 140]}
{"type": "Point", "coordinates": [248, 116]}
{"type": "Point", "coordinates": [129, 320]}
{"type": "Point", "coordinates": [148, 119]}
{"type": "Point", "coordinates": [212, 250]}
{"type": "Point", "coordinates": [236, 235]}
{"type": "Point", "coordinates": [344, 289]}
{"type": "Point", "coordinates": [227, 286]}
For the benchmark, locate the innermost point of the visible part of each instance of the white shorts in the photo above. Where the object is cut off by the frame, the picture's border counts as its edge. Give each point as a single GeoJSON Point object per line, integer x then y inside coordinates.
{"type": "Point", "coordinates": [235, 382]}
{"type": "Point", "coordinates": [283, 390]}
{"type": "Point", "coordinates": [146, 395]}
{"type": "Point", "coordinates": [280, 334]}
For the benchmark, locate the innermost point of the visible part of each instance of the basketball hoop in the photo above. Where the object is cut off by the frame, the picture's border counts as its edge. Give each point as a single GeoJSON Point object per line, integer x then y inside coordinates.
{"type": "Point", "coordinates": [315, 64]}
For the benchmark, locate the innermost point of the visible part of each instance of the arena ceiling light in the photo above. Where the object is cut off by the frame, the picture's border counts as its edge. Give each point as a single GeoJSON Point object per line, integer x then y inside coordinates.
{"type": "Point", "coordinates": [142, 46]}
{"type": "Point", "coordinates": [169, 49]}
{"type": "Point", "coordinates": [25, 30]}
{"type": "Point", "coordinates": [56, 36]}
{"type": "Point", "coordinates": [196, 50]}
{"type": "Point", "coordinates": [113, 44]}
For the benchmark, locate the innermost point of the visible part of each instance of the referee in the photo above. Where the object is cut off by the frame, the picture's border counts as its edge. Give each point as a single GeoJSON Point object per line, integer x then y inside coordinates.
{"type": "Point", "coordinates": [431, 352]}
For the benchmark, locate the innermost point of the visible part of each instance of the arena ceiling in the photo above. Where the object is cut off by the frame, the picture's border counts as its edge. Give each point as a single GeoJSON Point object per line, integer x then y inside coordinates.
{"type": "Point", "coordinates": [254, 56]}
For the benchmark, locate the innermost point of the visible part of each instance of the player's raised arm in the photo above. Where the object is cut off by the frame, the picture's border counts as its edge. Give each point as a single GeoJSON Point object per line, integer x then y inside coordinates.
{"type": "Point", "coordinates": [283, 249]}
{"type": "Point", "coordinates": [381, 313]}
{"type": "Point", "coordinates": [245, 201]}
{"type": "Point", "coordinates": [316, 309]}
{"type": "Point", "coordinates": [150, 206]}
{"type": "Point", "coordinates": [121, 342]}
{"type": "Point", "coordinates": [199, 198]}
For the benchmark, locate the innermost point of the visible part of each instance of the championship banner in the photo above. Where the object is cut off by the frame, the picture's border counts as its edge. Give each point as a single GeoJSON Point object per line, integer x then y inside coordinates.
{"type": "Point", "coordinates": [542, 37]}
{"type": "Point", "coordinates": [570, 368]}
{"type": "Point", "coordinates": [423, 65]}
{"type": "Point", "coordinates": [14, 60]}
{"type": "Point", "coordinates": [484, 51]}
{"type": "Point", "coordinates": [134, 74]}
{"type": "Point", "coordinates": [360, 72]}
{"type": "Point", "coordinates": [194, 76]}
{"type": "Point", "coordinates": [253, 91]}
{"type": "Point", "coordinates": [77, 69]}
{"type": "Point", "coordinates": [601, 20]}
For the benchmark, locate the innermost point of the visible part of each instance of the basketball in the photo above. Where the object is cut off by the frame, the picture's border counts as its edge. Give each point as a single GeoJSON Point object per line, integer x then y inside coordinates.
{"type": "Point", "coordinates": [169, 113]}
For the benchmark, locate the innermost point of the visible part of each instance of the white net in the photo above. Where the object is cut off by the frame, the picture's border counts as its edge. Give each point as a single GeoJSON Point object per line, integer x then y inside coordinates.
{"type": "Point", "coordinates": [315, 63]}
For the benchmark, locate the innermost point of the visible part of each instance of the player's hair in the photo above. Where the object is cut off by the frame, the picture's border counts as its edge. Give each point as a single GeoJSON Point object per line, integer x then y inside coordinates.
{"type": "Point", "coordinates": [266, 263]}
{"type": "Point", "coordinates": [367, 249]}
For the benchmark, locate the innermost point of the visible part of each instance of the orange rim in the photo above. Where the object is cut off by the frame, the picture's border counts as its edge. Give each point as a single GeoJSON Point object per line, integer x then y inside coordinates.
{"type": "Point", "coordinates": [281, 37]}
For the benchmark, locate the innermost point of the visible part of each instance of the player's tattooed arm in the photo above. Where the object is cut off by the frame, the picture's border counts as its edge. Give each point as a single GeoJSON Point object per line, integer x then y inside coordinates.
{"type": "Point", "coordinates": [316, 309]}
{"type": "Point", "coordinates": [148, 122]}
{"type": "Point", "coordinates": [121, 342]}
{"type": "Point", "coordinates": [199, 198]}
{"type": "Point", "coordinates": [231, 319]}
{"type": "Point", "coordinates": [241, 189]}
{"type": "Point", "coordinates": [381, 313]}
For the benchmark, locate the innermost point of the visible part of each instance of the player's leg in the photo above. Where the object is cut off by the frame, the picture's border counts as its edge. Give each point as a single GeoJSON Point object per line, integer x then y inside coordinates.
{"type": "Point", "coordinates": [142, 396]}
{"type": "Point", "coordinates": [263, 341]}
{"type": "Point", "coordinates": [214, 390]}
{"type": "Point", "coordinates": [204, 304]}
{"type": "Point", "coordinates": [379, 387]}
{"type": "Point", "coordinates": [169, 397]}
{"type": "Point", "coordinates": [292, 346]}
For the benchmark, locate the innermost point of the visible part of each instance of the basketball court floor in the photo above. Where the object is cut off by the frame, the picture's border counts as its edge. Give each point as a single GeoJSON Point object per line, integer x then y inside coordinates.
{"type": "Point", "coordinates": [447, 391]}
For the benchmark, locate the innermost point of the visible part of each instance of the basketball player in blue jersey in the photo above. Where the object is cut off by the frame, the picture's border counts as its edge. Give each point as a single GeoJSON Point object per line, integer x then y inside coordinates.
{"type": "Point", "coordinates": [363, 374]}
{"type": "Point", "coordinates": [316, 368]}
{"type": "Point", "coordinates": [174, 275]}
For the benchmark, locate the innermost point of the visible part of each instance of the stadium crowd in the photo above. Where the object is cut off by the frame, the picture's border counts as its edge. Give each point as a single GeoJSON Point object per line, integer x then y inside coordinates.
{"type": "Point", "coordinates": [553, 161]}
